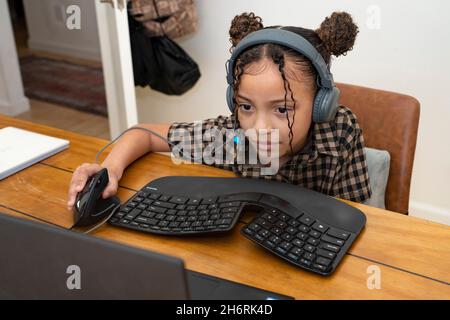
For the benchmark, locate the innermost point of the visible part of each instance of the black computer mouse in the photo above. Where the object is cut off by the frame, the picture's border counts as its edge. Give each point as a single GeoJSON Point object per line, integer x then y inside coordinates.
{"type": "Point", "coordinates": [90, 207]}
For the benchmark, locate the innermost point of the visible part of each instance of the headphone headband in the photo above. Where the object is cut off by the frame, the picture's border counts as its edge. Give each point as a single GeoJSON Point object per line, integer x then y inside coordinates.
{"type": "Point", "coordinates": [288, 39]}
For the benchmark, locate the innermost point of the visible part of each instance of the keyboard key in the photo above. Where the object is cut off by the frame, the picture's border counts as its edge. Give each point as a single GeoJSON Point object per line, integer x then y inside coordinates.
{"type": "Point", "coordinates": [164, 198]}
{"type": "Point", "coordinates": [264, 233]}
{"type": "Point", "coordinates": [259, 238]}
{"type": "Point", "coordinates": [309, 256]}
{"type": "Point", "coordinates": [276, 230]}
{"type": "Point", "coordinates": [132, 204]}
{"type": "Point", "coordinates": [303, 228]}
{"type": "Point", "coordinates": [281, 250]}
{"type": "Point", "coordinates": [291, 230]}
{"type": "Point", "coordinates": [315, 234]}
{"type": "Point", "coordinates": [332, 240]}
{"type": "Point", "coordinates": [194, 201]}
{"type": "Point", "coordinates": [287, 236]}
{"type": "Point", "coordinates": [319, 267]}
{"type": "Point", "coordinates": [229, 209]}
{"type": "Point", "coordinates": [163, 223]}
{"type": "Point", "coordinates": [325, 253]}
{"type": "Point", "coordinates": [309, 248]}
{"type": "Point", "coordinates": [153, 196]}
{"type": "Point", "coordinates": [229, 215]}
{"type": "Point", "coordinates": [144, 193]}
{"type": "Point", "coordinates": [126, 209]}
{"type": "Point", "coordinates": [284, 217]}
{"type": "Point", "coordinates": [306, 262]}
{"type": "Point", "coordinates": [209, 200]}
{"type": "Point", "coordinates": [133, 214]}
{"type": "Point", "coordinates": [323, 261]}
{"type": "Point", "coordinates": [293, 257]}
{"type": "Point", "coordinates": [306, 220]}
{"type": "Point", "coordinates": [254, 227]}
{"type": "Point", "coordinates": [178, 200]}
{"type": "Point", "coordinates": [270, 244]}
{"type": "Point", "coordinates": [156, 209]}
{"type": "Point", "coordinates": [269, 217]}
{"type": "Point", "coordinates": [338, 234]}
{"type": "Point", "coordinates": [302, 236]}
{"type": "Point", "coordinates": [148, 221]}
{"type": "Point", "coordinates": [313, 241]}
{"type": "Point", "coordinates": [148, 214]}
{"type": "Point", "coordinates": [164, 204]}
{"type": "Point", "coordinates": [142, 206]}
{"type": "Point", "coordinates": [275, 239]}
{"type": "Point", "coordinates": [249, 231]}
{"type": "Point", "coordinates": [230, 204]}
{"type": "Point", "coordinates": [330, 247]}
{"type": "Point", "coordinates": [298, 243]}
{"type": "Point", "coordinates": [281, 224]}
{"type": "Point", "coordinates": [294, 223]}
{"type": "Point", "coordinates": [296, 251]}
{"type": "Point", "coordinates": [286, 245]}
{"type": "Point", "coordinates": [320, 227]}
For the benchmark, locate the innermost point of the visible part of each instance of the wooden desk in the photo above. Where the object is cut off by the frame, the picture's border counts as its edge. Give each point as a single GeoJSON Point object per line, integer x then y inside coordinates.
{"type": "Point", "coordinates": [413, 255]}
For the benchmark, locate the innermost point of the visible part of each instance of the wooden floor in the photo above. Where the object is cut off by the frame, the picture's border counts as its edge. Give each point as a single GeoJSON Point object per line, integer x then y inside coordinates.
{"type": "Point", "coordinates": [56, 115]}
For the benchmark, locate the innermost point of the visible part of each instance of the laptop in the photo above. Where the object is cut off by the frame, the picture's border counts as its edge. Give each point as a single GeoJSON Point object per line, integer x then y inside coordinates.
{"type": "Point", "coordinates": [21, 148]}
{"type": "Point", "coordinates": [39, 261]}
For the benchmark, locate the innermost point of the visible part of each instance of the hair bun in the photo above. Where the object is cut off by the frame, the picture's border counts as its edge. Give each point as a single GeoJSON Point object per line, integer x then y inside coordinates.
{"type": "Point", "coordinates": [338, 33]}
{"type": "Point", "coordinates": [243, 25]}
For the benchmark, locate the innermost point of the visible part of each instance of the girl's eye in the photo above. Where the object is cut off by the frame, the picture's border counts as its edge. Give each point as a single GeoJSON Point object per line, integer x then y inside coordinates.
{"type": "Point", "coordinates": [245, 107]}
{"type": "Point", "coordinates": [283, 110]}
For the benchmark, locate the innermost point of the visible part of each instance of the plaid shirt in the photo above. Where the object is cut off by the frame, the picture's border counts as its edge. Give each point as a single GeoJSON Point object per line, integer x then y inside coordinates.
{"type": "Point", "coordinates": [333, 161]}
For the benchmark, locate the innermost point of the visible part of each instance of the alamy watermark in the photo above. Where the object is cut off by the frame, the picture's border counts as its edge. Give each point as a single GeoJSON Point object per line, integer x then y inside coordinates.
{"type": "Point", "coordinates": [374, 278]}
{"type": "Point", "coordinates": [73, 282]}
{"type": "Point", "coordinates": [227, 146]}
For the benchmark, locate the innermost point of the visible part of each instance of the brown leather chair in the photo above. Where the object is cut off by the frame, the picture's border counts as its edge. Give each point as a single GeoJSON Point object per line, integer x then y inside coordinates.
{"type": "Point", "coordinates": [389, 122]}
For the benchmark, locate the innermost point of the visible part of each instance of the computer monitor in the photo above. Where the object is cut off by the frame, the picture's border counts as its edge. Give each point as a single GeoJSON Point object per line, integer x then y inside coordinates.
{"type": "Point", "coordinates": [40, 261]}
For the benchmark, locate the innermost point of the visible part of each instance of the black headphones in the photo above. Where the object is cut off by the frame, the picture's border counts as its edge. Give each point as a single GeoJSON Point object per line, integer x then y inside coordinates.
{"type": "Point", "coordinates": [326, 100]}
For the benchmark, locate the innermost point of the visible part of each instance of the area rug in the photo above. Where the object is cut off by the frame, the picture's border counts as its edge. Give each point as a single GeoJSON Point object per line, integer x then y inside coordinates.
{"type": "Point", "coordinates": [64, 83]}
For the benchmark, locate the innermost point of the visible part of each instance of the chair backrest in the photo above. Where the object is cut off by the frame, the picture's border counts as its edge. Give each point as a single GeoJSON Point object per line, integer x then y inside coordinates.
{"type": "Point", "coordinates": [389, 122]}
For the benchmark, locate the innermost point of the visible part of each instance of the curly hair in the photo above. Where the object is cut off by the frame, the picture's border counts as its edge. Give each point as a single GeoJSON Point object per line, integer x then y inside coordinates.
{"type": "Point", "coordinates": [335, 36]}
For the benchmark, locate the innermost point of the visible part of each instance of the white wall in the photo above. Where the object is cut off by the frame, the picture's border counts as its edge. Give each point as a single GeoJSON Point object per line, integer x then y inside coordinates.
{"type": "Point", "coordinates": [12, 97]}
{"type": "Point", "coordinates": [47, 29]}
{"type": "Point", "coordinates": [408, 54]}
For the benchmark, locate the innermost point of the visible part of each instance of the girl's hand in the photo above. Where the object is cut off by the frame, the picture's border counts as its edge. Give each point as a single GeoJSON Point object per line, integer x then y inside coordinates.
{"type": "Point", "coordinates": [82, 174]}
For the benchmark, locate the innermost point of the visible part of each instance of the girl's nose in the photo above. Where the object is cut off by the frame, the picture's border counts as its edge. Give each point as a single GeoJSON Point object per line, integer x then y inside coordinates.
{"type": "Point", "coordinates": [262, 122]}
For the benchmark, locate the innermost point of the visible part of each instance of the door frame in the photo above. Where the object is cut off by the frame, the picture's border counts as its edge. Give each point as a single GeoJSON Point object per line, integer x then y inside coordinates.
{"type": "Point", "coordinates": [114, 37]}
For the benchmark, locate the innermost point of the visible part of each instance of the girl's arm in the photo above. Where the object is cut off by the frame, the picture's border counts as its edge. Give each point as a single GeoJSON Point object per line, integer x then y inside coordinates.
{"type": "Point", "coordinates": [132, 145]}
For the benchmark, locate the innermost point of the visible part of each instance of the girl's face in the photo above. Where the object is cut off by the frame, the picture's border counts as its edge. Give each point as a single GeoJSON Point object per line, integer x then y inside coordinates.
{"type": "Point", "coordinates": [261, 104]}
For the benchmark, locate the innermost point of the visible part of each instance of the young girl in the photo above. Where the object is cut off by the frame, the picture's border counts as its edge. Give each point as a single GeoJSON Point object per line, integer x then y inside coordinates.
{"type": "Point", "coordinates": [274, 89]}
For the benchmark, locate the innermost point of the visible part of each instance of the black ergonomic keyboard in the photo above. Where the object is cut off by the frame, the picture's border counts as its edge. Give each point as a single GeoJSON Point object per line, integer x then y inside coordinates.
{"type": "Point", "coordinates": [306, 228]}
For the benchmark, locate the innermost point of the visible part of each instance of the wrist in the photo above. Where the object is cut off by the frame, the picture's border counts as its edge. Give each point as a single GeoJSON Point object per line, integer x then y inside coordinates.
{"type": "Point", "coordinates": [113, 168]}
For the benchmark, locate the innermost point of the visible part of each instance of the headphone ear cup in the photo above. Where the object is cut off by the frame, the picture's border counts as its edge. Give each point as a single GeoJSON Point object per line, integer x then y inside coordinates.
{"type": "Point", "coordinates": [230, 95]}
{"type": "Point", "coordinates": [325, 105]}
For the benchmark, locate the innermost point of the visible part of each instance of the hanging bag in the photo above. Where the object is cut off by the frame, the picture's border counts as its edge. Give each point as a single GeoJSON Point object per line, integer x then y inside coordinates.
{"type": "Point", "coordinates": [160, 62]}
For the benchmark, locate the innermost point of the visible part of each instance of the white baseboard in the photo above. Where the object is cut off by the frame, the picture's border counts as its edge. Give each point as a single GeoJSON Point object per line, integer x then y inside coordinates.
{"type": "Point", "coordinates": [429, 212]}
{"type": "Point", "coordinates": [14, 108]}
{"type": "Point", "coordinates": [66, 49]}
